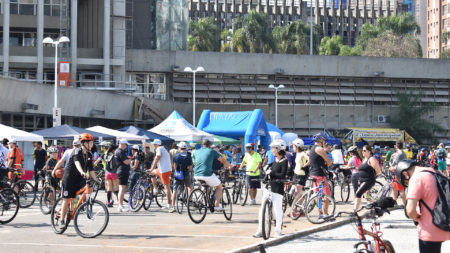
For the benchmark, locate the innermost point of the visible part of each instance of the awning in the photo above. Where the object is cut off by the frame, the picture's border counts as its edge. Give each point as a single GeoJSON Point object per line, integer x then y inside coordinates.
{"type": "Point", "coordinates": [380, 134]}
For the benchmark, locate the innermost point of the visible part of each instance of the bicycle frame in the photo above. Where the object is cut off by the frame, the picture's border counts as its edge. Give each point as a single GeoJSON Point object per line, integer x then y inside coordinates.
{"type": "Point", "coordinates": [376, 234]}
{"type": "Point", "coordinates": [84, 191]}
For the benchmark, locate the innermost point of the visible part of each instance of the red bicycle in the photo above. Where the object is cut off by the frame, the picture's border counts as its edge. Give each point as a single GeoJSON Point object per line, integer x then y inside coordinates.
{"type": "Point", "coordinates": [377, 244]}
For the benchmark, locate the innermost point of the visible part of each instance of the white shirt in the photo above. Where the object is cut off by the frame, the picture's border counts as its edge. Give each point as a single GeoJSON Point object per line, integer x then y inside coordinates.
{"type": "Point", "coordinates": [67, 154]}
{"type": "Point", "coordinates": [3, 155]}
{"type": "Point", "coordinates": [337, 156]}
{"type": "Point", "coordinates": [164, 164]}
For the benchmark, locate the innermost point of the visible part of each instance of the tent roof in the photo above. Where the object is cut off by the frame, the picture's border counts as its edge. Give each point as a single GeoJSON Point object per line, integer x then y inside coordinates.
{"type": "Point", "coordinates": [273, 128]}
{"type": "Point", "coordinates": [68, 132]}
{"type": "Point", "coordinates": [19, 135]}
{"type": "Point", "coordinates": [221, 140]}
{"type": "Point", "coordinates": [177, 128]}
{"type": "Point", "coordinates": [118, 134]}
{"type": "Point", "coordinates": [150, 135]}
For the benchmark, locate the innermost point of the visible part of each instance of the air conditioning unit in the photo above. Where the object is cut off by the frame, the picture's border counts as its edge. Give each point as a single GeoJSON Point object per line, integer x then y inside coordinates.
{"type": "Point", "coordinates": [381, 118]}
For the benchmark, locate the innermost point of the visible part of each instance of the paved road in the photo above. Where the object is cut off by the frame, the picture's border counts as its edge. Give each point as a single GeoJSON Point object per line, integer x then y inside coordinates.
{"type": "Point", "coordinates": [396, 228]}
{"type": "Point", "coordinates": [155, 230]}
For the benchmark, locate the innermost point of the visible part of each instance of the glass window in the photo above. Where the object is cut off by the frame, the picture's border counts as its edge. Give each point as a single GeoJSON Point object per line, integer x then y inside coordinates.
{"type": "Point", "coordinates": [26, 9]}
{"type": "Point", "coordinates": [29, 40]}
{"type": "Point", "coordinates": [15, 39]}
{"type": "Point", "coordinates": [13, 9]}
{"type": "Point", "coordinates": [47, 10]}
{"type": "Point", "coordinates": [55, 10]}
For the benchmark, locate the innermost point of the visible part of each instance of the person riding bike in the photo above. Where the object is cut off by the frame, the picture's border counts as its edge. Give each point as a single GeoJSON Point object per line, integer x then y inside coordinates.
{"type": "Point", "coordinates": [75, 175]}
{"type": "Point", "coordinates": [301, 166]}
{"type": "Point", "coordinates": [50, 165]}
{"type": "Point", "coordinates": [421, 187]}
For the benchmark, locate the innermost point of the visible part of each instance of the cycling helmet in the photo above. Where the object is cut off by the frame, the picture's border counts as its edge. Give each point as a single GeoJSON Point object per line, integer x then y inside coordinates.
{"type": "Point", "coordinates": [298, 143]}
{"type": "Point", "coordinates": [135, 147]}
{"type": "Point", "coordinates": [105, 144]}
{"type": "Point", "coordinates": [278, 145]}
{"type": "Point", "coordinates": [86, 137]}
{"type": "Point", "coordinates": [320, 136]}
{"type": "Point", "coordinates": [52, 150]}
{"type": "Point", "coordinates": [352, 149]}
{"type": "Point", "coordinates": [402, 166]}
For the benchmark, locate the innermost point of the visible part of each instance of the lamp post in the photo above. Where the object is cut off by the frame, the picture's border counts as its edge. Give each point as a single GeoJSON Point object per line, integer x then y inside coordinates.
{"type": "Point", "coordinates": [281, 86]}
{"type": "Point", "coordinates": [189, 69]}
{"type": "Point", "coordinates": [56, 43]}
{"type": "Point", "coordinates": [311, 28]}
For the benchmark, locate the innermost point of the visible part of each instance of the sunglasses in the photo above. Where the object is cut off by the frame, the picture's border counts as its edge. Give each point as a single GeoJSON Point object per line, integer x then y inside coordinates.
{"type": "Point", "coordinates": [364, 150]}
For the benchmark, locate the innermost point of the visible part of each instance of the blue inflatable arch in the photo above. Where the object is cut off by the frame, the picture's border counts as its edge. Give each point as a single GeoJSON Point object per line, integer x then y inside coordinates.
{"type": "Point", "coordinates": [247, 124]}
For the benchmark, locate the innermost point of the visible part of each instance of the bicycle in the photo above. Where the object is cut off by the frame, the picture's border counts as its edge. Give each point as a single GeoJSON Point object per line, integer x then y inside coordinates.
{"type": "Point", "coordinates": [288, 197]}
{"type": "Point", "coordinates": [267, 212]}
{"type": "Point", "coordinates": [25, 190]}
{"type": "Point", "coordinates": [342, 182]}
{"type": "Point", "coordinates": [203, 198]}
{"type": "Point", "coordinates": [371, 195]}
{"type": "Point", "coordinates": [310, 201]}
{"type": "Point", "coordinates": [84, 211]}
{"type": "Point", "coordinates": [9, 204]}
{"type": "Point", "coordinates": [378, 244]}
{"type": "Point", "coordinates": [48, 196]}
{"type": "Point", "coordinates": [240, 189]}
{"type": "Point", "coordinates": [142, 193]}
{"type": "Point", "coordinates": [181, 197]}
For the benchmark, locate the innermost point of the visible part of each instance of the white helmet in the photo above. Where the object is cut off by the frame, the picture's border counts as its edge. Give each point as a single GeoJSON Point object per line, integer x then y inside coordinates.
{"type": "Point", "coordinates": [278, 144]}
{"type": "Point", "coordinates": [182, 145]}
{"type": "Point", "coordinates": [136, 147]}
{"type": "Point", "coordinates": [298, 143]}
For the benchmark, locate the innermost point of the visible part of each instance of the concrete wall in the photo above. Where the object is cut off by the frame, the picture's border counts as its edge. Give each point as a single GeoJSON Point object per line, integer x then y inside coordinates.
{"type": "Point", "coordinates": [300, 65]}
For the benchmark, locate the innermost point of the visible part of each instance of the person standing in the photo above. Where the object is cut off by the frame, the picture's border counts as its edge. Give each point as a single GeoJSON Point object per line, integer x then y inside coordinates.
{"type": "Point", "coordinates": [182, 162]}
{"type": "Point", "coordinates": [109, 164]}
{"type": "Point", "coordinates": [3, 160]}
{"type": "Point", "coordinates": [338, 157]}
{"type": "Point", "coordinates": [353, 164]}
{"type": "Point", "coordinates": [136, 165]}
{"type": "Point", "coordinates": [40, 157]}
{"type": "Point", "coordinates": [301, 166]}
{"type": "Point", "coordinates": [398, 156]}
{"type": "Point", "coordinates": [408, 152]}
{"type": "Point", "coordinates": [441, 155]}
{"type": "Point", "coordinates": [123, 171]}
{"type": "Point", "coordinates": [252, 160]}
{"type": "Point", "coordinates": [422, 187]}
{"type": "Point", "coordinates": [368, 170]}
{"type": "Point", "coordinates": [162, 160]}
{"type": "Point", "coordinates": [388, 154]}
{"type": "Point", "coordinates": [15, 158]}
{"type": "Point", "coordinates": [149, 156]}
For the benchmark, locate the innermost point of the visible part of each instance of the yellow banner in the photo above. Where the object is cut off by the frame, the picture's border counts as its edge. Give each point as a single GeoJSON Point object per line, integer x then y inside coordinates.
{"type": "Point", "coordinates": [381, 134]}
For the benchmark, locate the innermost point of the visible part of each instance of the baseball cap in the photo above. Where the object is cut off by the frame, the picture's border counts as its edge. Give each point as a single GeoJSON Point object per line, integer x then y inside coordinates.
{"type": "Point", "coordinates": [156, 142]}
{"type": "Point", "coordinates": [182, 145]}
{"type": "Point", "coordinates": [124, 141]}
{"type": "Point", "coordinates": [214, 146]}
{"type": "Point", "coordinates": [249, 145]}
{"type": "Point", "coordinates": [135, 147]}
{"type": "Point", "coordinates": [13, 141]}
{"type": "Point", "coordinates": [76, 142]}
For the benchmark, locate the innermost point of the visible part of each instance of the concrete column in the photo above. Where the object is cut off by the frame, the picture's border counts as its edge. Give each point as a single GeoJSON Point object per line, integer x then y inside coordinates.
{"type": "Point", "coordinates": [39, 44]}
{"type": "Point", "coordinates": [73, 38]}
{"type": "Point", "coordinates": [350, 21]}
{"type": "Point", "coordinates": [317, 12]}
{"type": "Point", "coordinates": [325, 18]}
{"type": "Point", "coordinates": [118, 40]}
{"type": "Point", "coordinates": [5, 37]}
{"type": "Point", "coordinates": [106, 39]}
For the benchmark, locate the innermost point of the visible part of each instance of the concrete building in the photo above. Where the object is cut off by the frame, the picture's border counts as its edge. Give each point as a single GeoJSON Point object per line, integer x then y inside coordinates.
{"type": "Point", "coordinates": [437, 24]}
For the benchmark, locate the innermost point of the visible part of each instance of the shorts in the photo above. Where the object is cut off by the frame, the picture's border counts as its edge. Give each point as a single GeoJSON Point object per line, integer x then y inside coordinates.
{"type": "Point", "coordinates": [326, 186]}
{"type": "Point", "coordinates": [253, 182]}
{"type": "Point", "coordinates": [212, 180]}
{"type": "Point", "coordinates": [110, 176]}
{"type": "Point", "coordinates": [301, 180]}
{"type": "Point", "coordinates": [123, 178]}
{"type": "Point", "coordinates": [70, 189]}
{"type": "Point", "coordinates": [165, 177]}
{"type": "Point", "coordinates": [363, 187]}
{"type": "Point", "coordinates": [187, 181]}
{"type": "Point", "coordinates": [397, 186]}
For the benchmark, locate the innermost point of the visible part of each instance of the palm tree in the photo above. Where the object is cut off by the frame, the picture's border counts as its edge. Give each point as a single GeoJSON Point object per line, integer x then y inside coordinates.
{"type": "Point", "coordinates": [254, 33]}
{"type": "Point", "coordinates": [203, 35]}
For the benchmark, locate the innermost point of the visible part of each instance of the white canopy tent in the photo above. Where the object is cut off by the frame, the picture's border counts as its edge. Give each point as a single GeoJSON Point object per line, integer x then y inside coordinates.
{"type": "Point", "coordinates": [118, 134]}
{"type": "Point", "coordinates": [177, 128]}
{"type": "Point", "coordinates": [18, 135]}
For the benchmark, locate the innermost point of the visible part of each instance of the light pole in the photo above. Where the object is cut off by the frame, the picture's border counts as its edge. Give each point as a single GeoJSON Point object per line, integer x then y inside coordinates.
{"type": "Point", "coordinates": [188, 69]}
{"type": "Point", "coordinates": [311, 28]}
{"type": "Point", "coordinates": [56, 43]}
{"type": "Point", "coordinates": [281, 86]}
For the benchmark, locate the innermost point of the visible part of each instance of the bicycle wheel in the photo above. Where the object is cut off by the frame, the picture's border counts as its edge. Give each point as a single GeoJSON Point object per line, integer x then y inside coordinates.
{"type": "Point", "coordinates": [55, 217]}
{"type": "Point", "coordinates": [197, 206]}
{"type": "Point", "coordinates": [227, 204]}
{"type": "Point", "coordinates": [26, 192]}
{"type": "Point", "coordinates": [297, 209]}
{"type": "Point", "coordinates": [243, 194]}
{"type": "Point", "coordinates": [9, 205]}
{"type": "Point", "coordinates": [136, 199]}
{"type": "Point", "coordinates": [266, 219]}
{"type": "Point", "coordinates": [179, 198]}
{"type": "Point", "coordinates": [91, 219]}
{"type": "Point", "coordinates": [285, 201]}
{"type": "Point", "coordinates": [345, 191]}
{"type": "Point", "coordinates": [236, 190]}
{"type": "Point", "coordinates": [315, 208]}
{"type": "Point", "coordinates": [160, 196]}
{"type": "Point", "coordinates": [371, 195]}
{"type": "Point", "coordinates": [331, 184]}
{"type": "Point", "coordinates": [47, 199]}
{"type": "Point", "coordinates": [148, 199]}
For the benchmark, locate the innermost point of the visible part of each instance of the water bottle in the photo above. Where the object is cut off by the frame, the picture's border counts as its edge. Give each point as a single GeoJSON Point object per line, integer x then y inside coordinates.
{"type": "Point", "coordinates": [75, 201]}
{"type": "Point", "coordinates": [291, 192]}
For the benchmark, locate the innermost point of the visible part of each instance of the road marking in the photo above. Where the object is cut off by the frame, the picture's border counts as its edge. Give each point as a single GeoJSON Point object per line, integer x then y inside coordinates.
{"type": "Point", "coordinates": [176, 225]}
{"type": "Point", "coordinates": [106, 246]}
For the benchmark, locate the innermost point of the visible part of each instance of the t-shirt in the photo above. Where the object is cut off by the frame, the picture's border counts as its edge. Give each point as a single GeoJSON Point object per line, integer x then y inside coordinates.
{"type": "Point", "coordinates": [67, 154]}
{"type": "Point", "coordinates": [173, 152]}
{"type": "Point", "coordinates": [228, 154]}
{"type": "Point", "coordinates": [338, 158]}
{"type": "Point", "coordinates": [408, 153]}
{"type": "Point", "coordinates": [16, 155]}
{"type": "Point", "coordinates": [3, 156]}
{"type": "Point", "coordinates": [270, 157]}
{"type": "Point", "coordinates": [71, 173]}
{"type": "Point", "coordinates": [51, 163]}
{"type": "Point", "coordinates": [137, 159]}
{"type": "Point", "coordinates": [300, 160]}
{"type": "Point", "coordinates": [251, 162]}
{"type": "Point", "coordinates": [121, 156]}
{"type": "Point", "coordinates": [422, 186]}
{"type": "Point", "coordinates": [164, 164]}
{"type": "Point", "coordinates": [183, 160]}
{"type": "Point", "coordinates": [397, 157]}
{"type": "Point", "coordinates": [203, 159]}
{"type": "Point", "coordinates": [148, 159]}
{"type": "Point", "coordinates": [354, 162]}
{"type": "Point", "coordinates": [388, 155]}
{"type": "Point", "coordinates": [39, 156]}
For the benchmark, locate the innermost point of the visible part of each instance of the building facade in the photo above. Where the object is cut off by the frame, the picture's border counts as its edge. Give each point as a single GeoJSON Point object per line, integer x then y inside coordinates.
{"type": "Point", "coordinates": [438, 17]}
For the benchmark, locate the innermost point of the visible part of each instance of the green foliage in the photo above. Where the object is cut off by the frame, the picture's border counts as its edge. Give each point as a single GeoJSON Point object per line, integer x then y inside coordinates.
{"type": "Point", "coordinates": [445, 54]}
{"type": "Point", "coordinates": [412, 113]}
{"type": "Point", "coordinates": [203, 35]}
{"type": "Point", "coordinates": [399, 25]}
{"type": "Point", "coordinates": [335, 46]}
{"type": "Point", "coordinates": [254, 33]}
{"type": "Point", "coordinates": [294, 38]}
{"type": "Point", "coordinates": [445, 37]}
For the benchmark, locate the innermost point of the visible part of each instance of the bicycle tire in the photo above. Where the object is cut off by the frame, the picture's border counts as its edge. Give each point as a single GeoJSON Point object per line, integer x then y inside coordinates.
{"type": "Point", "coordinates": [312, 202]}
{"type": "Point", "coordinates": [331, 184]}
{"type": "Point", "coordinates": [345, 191]}
{"type": "Point", "coordinates": [179, 198]}
{"type": "Point", "coordinates": [9, 201]}
{"type": "Point", "coordinates": [159, 197]}
{"type": "Point", "coordinates": [85, 207]}
{"type": "Point", "coordinates": [244, 190]}
{"type": "Point", "coordinates": [136, 200]}
{"type": "Point", "coordinates": [297, 208]}
{"type": "Point", "coordinates": [389, 246]}
{"type": "Point", "coordinates": [199, 204]}
{"type": "Point", "coordinates": [266, 221]}
{"type": "Point", "coordinates": [236, 190]}
{"type": "Point", "coordinates": [24, 190]}
{"type": "Point", "coordinates": [373, 192]}
{"type": "Point", "coordinates": [148, 199]}
{"type": "Point", "coordinates": [46, 199]}
{"type": "Point", "coordinates": [55, 215]}
{"type": "Point", "coordinates": [227, 203]}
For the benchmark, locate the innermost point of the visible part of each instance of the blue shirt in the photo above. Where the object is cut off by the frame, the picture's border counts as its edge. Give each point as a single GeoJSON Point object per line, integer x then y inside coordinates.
{"type": "Point", "coordinates": [203, 159]}
{"type": "Point", "coordinates": [270, 157]}
{"type": "Point", "coordinates": [182, 160]}
{"type": "Point", "coordinates": [229, 158]}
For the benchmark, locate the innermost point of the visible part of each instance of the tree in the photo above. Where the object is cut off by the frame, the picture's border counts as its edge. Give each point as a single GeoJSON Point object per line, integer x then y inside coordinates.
{"type": "Point", "coordinates": [411, 115]}
{"type": "Point", "coordinates": [445, 54]}
{"type": "Point", "coordinates": [335, 46]}
{"type": "Point", "coordinates": [203, 35]}
{"type": "Point", "coordinates": [389, 44]}
{"type": "Point", "coordinates": [254, 33]}
{"type": "Point", "coordinates": [295, 38]}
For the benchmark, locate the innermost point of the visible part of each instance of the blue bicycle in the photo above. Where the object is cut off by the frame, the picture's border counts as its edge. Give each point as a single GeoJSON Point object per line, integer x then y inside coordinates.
{"type": "Point", "coordinates": [142, 193]}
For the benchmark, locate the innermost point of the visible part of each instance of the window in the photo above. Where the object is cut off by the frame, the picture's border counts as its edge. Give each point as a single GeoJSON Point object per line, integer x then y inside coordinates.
{"type": "Point", "coordinates": [22, 39]}
{"type": "Point", "coordinates": [51, 7]}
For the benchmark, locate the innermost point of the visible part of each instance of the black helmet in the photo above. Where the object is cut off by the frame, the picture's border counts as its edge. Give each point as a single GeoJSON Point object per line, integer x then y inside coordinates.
{"type": "Point", "coordinates": [402, 166]}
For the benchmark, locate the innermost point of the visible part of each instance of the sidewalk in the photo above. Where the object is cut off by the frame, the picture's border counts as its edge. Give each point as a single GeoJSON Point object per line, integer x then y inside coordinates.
{"type": "Point", "coordinates": [396, 228]}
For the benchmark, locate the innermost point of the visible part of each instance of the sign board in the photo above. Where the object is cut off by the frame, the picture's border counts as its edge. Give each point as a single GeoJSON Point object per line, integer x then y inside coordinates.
{"type": "Point", "coordinates": [56, 117]}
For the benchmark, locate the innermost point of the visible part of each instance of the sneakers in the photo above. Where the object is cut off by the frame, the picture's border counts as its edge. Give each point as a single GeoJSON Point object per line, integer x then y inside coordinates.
{"type": "Point", "coordinates": [62, 225]}
{"type": "Point", "coordinates": [122, 209]}
{"type": "Point", "coordinates": [155, 191]}
{"type": "Point", "coordinates": [169, 206]}
{"type": "Point", "coordinates": [218, 209]}
{"type": "Point", "coordinates": [110, 204]}
{"type": "Point", "coordinates": [171, 210]}
{"type": "Point", "coordinates": [253, 202]}
{"type": "Point", "coordinates": [322, 216]}
{"type": "Point", "coordinates": [257, 235]}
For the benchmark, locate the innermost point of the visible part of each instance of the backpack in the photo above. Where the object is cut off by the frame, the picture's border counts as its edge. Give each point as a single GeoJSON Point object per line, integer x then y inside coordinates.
{"type": "Point", "coordinates": [441, 155]}
{"type": "Point", "coordinates": [441, 211]}
{"type": "Point", "coordinates": [111, 164]}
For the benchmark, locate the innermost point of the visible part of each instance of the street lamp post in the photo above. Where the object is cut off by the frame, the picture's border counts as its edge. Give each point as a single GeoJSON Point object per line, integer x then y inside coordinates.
{"type": "Point", "coordinates": [189, 69]}
{"type": "Point", "coordinates": [281, 86]}
{"type": "Point", "coordinates": [56, 43]}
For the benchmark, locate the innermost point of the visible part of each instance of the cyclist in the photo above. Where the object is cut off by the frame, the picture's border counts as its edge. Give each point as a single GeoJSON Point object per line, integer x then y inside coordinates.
{"type": "Point", "coordinates": [422, 187]}
{"type": "Point", "coordinates": [111, 179]}
{"type": "Point", "coordinates": [388, 154]}
{"type": "Point", "coordinates": [182, 162]}
{"type": "Point", "coordinates": [123, 171]}
{"type": "Point", "coordinates": [50, 165]}
{"type": "Point", "coordinates": [203, 159]}
{"type": "Point", "coordinates": [368, 170]}
{"type": "Point", "coordinates": [149, 156]}
{"type": "Point", "coordinates": [66, 156]}
{"type": "Point", "coordinates": [301, 166]}
{"type": "Point", "coordinates": [319, 163]}
{"type": "Point", "coordinates": [15, 159]}
{"type": "Point", "coordinates": [40, 157]}
{"type": "Point", "coordinates": [252, 160]}
{"type": "Point", "coordinates": [3, 161]}
{"type": "Point", "coordinates": [353, 164]}
{"type": "Point", "coordinates": [338, 157]}
{"type": "Point", "coordinates": [441, 163]}
{"type": "Point", "coordinates": [80, 163]}
{"type": "Point", "coordinates": [278, 171]}
{"type": "Point", "coordinates": [136, 165]}
{"type": "Point", "coordinates": [408, 152]}
{"type": "Point", "coordinates": [398, 156]}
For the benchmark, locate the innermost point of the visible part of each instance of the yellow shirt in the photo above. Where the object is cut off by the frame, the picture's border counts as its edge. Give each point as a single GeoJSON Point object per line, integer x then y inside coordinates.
{"type": "Point", "coordinates": [251, 162]}
{"type": "Point", "coordinates": [409, 154]}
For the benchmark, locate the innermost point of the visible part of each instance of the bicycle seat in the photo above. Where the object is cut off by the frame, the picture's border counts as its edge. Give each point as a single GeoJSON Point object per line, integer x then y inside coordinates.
{"type": "Point", "coordinates": [202, 183]}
